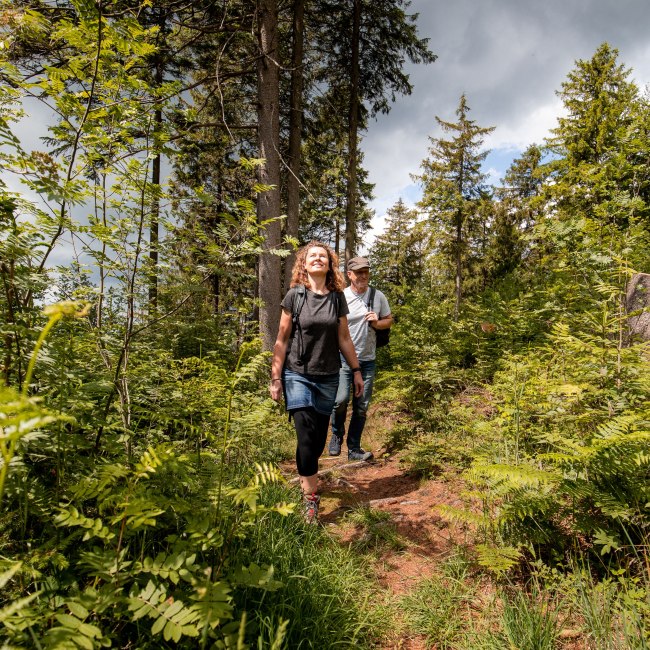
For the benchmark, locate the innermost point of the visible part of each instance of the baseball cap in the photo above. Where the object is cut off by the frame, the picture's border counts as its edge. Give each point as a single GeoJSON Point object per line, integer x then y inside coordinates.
{"type": "Point", "coordinates": [357, 263]}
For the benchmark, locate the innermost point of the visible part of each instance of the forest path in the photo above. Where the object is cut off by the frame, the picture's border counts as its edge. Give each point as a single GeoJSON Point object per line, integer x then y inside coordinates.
{"type": "Point", "coordinates": [415, 539]}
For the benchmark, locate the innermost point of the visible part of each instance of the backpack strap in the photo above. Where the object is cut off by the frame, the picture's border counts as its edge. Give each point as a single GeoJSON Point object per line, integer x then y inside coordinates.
{"type": "Point", "coordinates": [371, 300]}
{"type": "Point", "coordinates": [298, 302]}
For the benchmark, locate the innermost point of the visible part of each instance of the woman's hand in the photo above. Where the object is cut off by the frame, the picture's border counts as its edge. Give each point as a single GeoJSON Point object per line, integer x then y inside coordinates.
{"type": "Point", "coordinates": [358, 384]}
{"type": "Point", "coordinates": [275, 388]}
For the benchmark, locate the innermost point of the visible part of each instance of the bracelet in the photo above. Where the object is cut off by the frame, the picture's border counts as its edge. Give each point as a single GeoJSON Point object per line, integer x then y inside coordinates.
{"type": "Point", "coordinates": [356, 369]}
{"type": "Point", "coordinates": [276, 379]}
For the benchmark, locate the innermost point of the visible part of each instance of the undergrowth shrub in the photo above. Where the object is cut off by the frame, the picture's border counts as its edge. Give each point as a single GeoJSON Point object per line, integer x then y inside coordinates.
{"type": "Point", "coordinates": [567, 464]}
{"type": "Point", "coordinates": [175, 531]}
{"type": "Point", "coordinates": [451, 434]}
{"type": "Point", "coordinates": [615, 611]}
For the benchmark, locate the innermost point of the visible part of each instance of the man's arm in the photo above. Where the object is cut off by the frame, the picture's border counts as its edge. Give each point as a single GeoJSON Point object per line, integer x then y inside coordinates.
{"type": "Point", "coordinates": [386, 320]}
{"type": "Point", "coordinates": [383, 323]}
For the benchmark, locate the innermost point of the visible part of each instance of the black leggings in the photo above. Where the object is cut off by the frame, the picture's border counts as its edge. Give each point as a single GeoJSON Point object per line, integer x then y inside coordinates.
{"type": "Point", "coordinates": [311, 428]}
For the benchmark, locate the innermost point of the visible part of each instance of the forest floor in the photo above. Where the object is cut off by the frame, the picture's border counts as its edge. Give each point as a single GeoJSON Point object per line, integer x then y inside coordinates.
{"type": "Point", "coordinates": [419, 541]}
{"type": "Point", "coordinates": [416, 541]}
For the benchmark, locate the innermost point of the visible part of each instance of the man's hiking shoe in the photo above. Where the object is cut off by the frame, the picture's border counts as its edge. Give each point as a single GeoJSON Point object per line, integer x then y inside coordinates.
{"type": "Point", "coordinates": [359, 454]}
{"type": "Point", "coordinates": [311, 503]}
{"type": "Point", "coordinates": [335, 445]}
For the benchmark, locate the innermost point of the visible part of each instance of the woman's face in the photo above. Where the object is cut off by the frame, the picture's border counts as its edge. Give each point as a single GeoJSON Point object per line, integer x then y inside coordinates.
{"type": "Point", "coordinates": [317, 261]}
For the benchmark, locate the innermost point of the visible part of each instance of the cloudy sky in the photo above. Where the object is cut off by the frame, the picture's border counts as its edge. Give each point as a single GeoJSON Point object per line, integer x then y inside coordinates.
{"type": "Point", "coordinates": [508, 57]}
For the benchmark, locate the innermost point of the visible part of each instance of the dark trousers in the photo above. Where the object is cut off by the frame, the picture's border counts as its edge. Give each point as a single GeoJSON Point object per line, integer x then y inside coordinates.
{"type": "Point", "coordinates": [311, 429]}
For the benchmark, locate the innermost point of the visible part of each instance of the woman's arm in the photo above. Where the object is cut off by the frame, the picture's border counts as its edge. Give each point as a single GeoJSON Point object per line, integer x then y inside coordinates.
{"type": "Point", "coordinates": [279, 354]}
{"type": "Point", "coordinates": [347, 349]}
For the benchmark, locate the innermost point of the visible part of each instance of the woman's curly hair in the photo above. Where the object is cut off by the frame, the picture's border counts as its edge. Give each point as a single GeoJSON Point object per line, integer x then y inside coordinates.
{"type": "Point", "coordinates": [334, 280]}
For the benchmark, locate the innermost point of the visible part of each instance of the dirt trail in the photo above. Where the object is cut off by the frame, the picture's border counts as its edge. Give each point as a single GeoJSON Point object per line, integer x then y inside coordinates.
{"type": "Point", "coordinates": [425, 539]}
{"type": "Point", "coordinates": [384, 485]}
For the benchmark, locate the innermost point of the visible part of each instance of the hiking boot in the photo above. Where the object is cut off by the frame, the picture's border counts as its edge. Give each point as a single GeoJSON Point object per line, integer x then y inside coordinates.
{"type": "Point", "coordinates": [335, 445]}
{"type": "Point", "coordinates": [359, 454]}
{"type": "Point", "coordinates": [311, 503]}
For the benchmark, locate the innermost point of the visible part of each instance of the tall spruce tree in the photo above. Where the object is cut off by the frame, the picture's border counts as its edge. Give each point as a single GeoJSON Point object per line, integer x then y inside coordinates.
{"type": "Point", "coordinates": [325, 177]}
{"type": "Point", "coordinates": [268, 202]}
{"type": "Point", "coordinates": [590, 142]}
{"type": "Point", "coordinates": [453, 185]}
{"type": "Point", "coordinates": [296, 101]}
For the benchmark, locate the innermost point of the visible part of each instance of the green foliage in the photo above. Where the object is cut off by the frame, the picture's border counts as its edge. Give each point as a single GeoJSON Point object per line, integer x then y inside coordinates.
{"type": "Point", "coordinates": [112, 511]}
{"type": "Point", "coordinates": [616, 611]}
{"type": "Point", "coordinates": [534, 389]}
{"type": "Point", "coordinates": [172, 541]}
{"type": "Point", "coordinates": [454, 196]}
{"type": "Point", "coordinates": [324, 598]}
{"type": "Point", "coordinates": [397, 254]}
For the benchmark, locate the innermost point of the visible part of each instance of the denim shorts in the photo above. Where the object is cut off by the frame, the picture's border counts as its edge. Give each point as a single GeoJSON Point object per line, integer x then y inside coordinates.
{"type": "Point", "coordinates": [304, 391]}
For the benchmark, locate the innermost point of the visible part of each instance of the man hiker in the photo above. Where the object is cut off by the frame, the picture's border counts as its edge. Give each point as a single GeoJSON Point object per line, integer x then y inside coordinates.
{"type": "Point", "coordinates": [366, 316]}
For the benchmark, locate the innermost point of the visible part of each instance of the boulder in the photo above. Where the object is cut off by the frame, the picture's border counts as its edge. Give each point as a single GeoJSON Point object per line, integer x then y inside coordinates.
{"type": "Point", "coordinates": [638, 297]}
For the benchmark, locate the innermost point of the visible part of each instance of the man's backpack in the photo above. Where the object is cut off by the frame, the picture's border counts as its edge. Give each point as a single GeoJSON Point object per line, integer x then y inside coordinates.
{"type": "Point", "coordinates": [383, 336]}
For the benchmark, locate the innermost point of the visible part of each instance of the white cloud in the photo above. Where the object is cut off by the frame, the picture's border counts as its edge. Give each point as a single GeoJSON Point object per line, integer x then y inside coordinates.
{"type": "Point", "coordinates": [531, 128]}
{"type": "Point", "coordinates": [509, 57]}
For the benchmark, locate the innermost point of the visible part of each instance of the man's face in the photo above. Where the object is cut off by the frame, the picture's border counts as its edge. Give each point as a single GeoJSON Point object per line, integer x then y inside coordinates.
{"type": "Point", "coordinates": [359, 279]}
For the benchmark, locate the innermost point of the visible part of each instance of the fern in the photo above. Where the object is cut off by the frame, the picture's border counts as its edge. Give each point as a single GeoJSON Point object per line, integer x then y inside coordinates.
{"type": "Point", "coordinates": [212, 604]}
{"type": "Point", "coordinates": [72, 631]}
{"type": "Point", "coordinates": [255, 576]}
{"type": "Point", "coordinates": [498, 559]}
{"type": "Point", "coordinates": [267, 473]}
{"type": "Point", "coordinates": [512, 476]}
{"type": "Point", "coordinates": [12, 614]}
{"type": "Point", "coordinates": [463, 516]}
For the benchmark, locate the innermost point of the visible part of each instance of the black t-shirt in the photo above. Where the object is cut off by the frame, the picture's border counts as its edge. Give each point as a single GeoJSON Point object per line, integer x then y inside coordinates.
{"type": "Point", "coordinates": [320, 333]}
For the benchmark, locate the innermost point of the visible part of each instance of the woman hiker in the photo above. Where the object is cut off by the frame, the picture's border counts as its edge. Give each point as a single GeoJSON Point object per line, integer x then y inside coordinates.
{"type": "Point", "coordinates": [306, 358]}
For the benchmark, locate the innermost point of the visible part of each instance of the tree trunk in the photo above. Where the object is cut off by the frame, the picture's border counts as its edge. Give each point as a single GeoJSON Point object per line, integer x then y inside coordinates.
{"type": "Point", "coordinates": [459, 268]}
{"type": "Point", "coordinates": [459, 238]}
{"type": "Point", "coordinates": [337, 234]}
{"type": "Point", "coordinates": [154, 222]}
{"type": "Point", "coordinates": [295, 133]}
{"type": "Point", "coordinates": [268, 202]}
{"type": "Point", "coordinates": [353, 127]}
{"type": "Point", "coordinates": [637, 301]}
{"type": "Point", "coordinates": [8, 279]}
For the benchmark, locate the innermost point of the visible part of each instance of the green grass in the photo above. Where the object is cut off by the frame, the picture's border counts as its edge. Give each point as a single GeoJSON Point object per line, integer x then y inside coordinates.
{"type": "Point", "coordinates": [615, 612]}
{"type": "Point", "coordinates": [326, 596]}
{"type": "Point", "coordinates": [378, 528]}
{"type": "Point", "coordinates": [529, 621]}
{"type": "Point", "coordinates": [435, 607]}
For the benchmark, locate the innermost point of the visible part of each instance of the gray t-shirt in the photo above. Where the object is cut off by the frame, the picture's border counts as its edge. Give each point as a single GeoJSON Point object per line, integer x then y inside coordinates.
{"type": "Point", "coordinates": [314, 348]}
{"type": "Point", "coordinates": [364, 336]}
